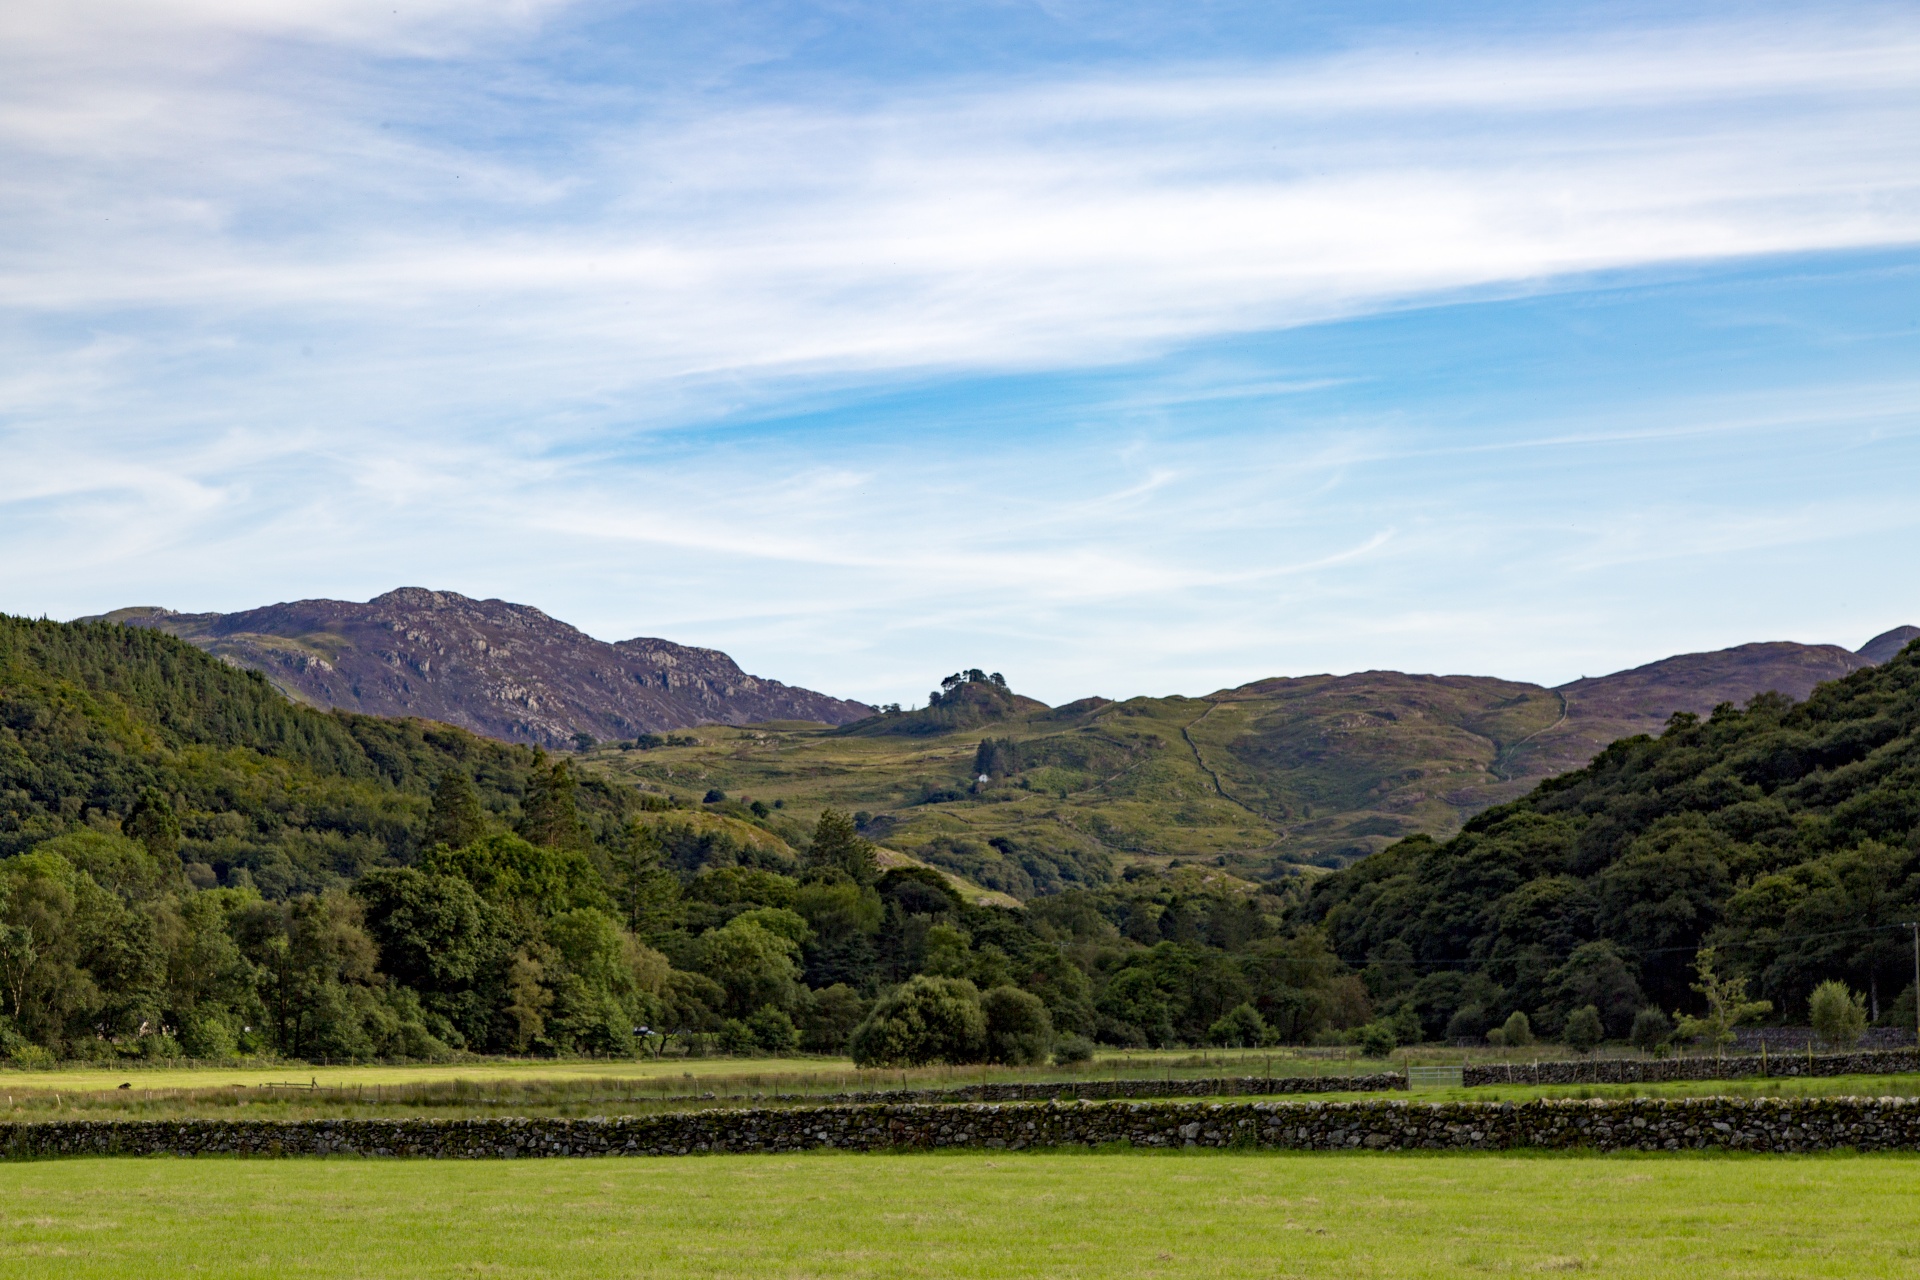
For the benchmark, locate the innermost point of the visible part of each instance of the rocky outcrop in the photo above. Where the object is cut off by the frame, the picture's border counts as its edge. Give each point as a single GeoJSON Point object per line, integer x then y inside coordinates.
{"type": "Point", "coordinates": [1640, 1124]}
{"type": "Point", "coordinates": [505, 670]}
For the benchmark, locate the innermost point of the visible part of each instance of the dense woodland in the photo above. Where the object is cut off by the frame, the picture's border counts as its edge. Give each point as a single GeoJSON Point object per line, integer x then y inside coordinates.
{"type": "Point", "coordinates": [1785, 835]}
{"type": "Point", "coordinates": [193, 865]}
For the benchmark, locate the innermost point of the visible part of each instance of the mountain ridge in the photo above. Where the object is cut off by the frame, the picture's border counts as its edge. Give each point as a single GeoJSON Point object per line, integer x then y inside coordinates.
{"type": "Point", "coordinates": [509, 671]}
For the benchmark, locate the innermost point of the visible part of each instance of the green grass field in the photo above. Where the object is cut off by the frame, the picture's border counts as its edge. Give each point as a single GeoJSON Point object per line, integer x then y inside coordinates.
{"type": "Point", "coordinates": [1104, 1216]}
{"type": "Point", "coordinates": [694, 1074]}
{"type": "Point", "coordinates": [577, 1089]}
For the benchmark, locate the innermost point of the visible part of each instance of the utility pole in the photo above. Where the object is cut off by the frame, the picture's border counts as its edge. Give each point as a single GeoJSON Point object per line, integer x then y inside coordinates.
{"type": "Point", "coordinates": [1914, 925]}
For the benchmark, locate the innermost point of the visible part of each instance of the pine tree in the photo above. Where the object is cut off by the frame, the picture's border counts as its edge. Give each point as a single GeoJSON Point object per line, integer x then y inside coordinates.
{"type": "Point", "coordinates": [456, 819]}
{"type": "Point", "coordinates": [837, 850]}
{"type": "Point", "coordinates": [644, 886]}
{"type": "Point", "coordinates": [550, 815]}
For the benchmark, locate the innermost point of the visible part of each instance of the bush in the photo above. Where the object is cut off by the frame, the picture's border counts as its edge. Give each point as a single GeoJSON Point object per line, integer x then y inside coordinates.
{"type": "Point", "coordinates": [1518, 1030]}
{"type": "Point", "coordinates": [1072, 1048]}
{"type": "Point", "coordinates": [1377, 1040]}
{"type": "Point", "coordinates": [1241, 1027]}
{"type": "Point", "coordinates": [159, 1047]}
{"type": "Point", "coordinates": [207, 1036]}
{"type": "Point", "coordinates": [773, 1031]}
{"type": "Point", "coordinates": [1650, 1030]}
{"type": "Point", "coordinates": [735, 1038]}
{"type": "Point", "coordinates": [1019, 1029]}
{"type": "Point", "coordinates": [714, 796]}
{"type": "Point", "coordinates": [30, 1056]}
{"type": "Point", "coordinates": [828, 1017]}
{"type": "Point", "coordinates": [1468, 1023]}
{"type": "Point", "coordinates": [1838, 1015]}
{"type": "Point", "coordinates": [1584, 1029]}
{"type": "Point", "coordinates": [920, 1021]}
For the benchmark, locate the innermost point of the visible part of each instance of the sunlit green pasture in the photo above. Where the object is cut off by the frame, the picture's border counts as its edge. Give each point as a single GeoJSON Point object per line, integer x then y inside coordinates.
{"type": "Point", "coordinates": [1110, 1216]}
{"type": "Point", "coordinates": [693, 1074]}
{"type": "Point", "coordinates": [585, 1096]}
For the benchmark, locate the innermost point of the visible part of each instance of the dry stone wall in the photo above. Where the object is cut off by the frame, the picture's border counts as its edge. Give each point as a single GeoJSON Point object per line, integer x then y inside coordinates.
{"type": "Point", "coordinates": [1656, 1071]}
{"type": "Point", "coordinates": [1762, 1124]}
{"type": "Point", "coordinates": [1095, 1090]}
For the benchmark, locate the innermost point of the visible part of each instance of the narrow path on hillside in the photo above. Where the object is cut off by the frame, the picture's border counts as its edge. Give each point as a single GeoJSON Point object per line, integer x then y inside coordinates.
{"type": "Point", "coordinates": [1503, 755]}
{"type": "Point", "coordinates": [1208, 769]}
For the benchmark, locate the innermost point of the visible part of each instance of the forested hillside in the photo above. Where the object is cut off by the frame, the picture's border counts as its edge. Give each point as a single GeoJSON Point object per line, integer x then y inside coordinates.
{"type": "Point", "coordinates": [99, 721]}
{"type": "Point", "coordinates": [196, 865]}
{"type": "Point", "coordinates": [1786, 835]}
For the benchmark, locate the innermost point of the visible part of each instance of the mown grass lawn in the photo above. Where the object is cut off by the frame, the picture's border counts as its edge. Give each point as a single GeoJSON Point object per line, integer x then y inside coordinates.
{"type": "Point", "coordinates": [987, 1214]}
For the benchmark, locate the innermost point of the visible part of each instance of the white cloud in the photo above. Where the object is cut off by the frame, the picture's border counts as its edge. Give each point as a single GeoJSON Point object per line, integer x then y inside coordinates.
{"type": "Point", "coordinates": [268, 304]}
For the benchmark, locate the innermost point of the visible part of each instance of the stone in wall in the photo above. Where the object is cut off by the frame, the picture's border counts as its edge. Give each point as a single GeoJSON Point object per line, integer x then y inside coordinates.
{"type": "Point", "coordinates": [1640, 1124]}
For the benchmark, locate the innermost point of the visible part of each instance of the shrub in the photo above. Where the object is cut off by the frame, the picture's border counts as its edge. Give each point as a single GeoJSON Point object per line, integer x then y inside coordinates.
{"type": "Point", "coordinates": [828, 1017]}
{"type": "Point", "coordinates": [1240, 1028]}
{"type": "Point", "coordinates": [735, 1038]}
{"type": "Point", "coordinates": [30, 1056]}
{"type": "Point", "coordinates": [1518, 1030]}
{"type": "Point", "coordinates": [922, 1020]}
{"type": "Point", "coordinates": [1468, 1023]}
{"type": "Point", "coordinates": [1838, 1015]}
{"type": "Point", "coordinates": [1650, 1030]}
{"type": "Point", "coordinates": [773, 1031]}
{"type": "Point", "coordinates": [714, 796]}
{"type": "Point", "coordinates": [1073, 1048]}
{"type": "Point", "coordinates": [1019, 1029]}
{"type": "Point", "coordinates": [207, 1036]}
{"type": "Point", "coordinates": [1377, 1040]}
{"type": "Point", "coordinates": [159, 1046]}
{"type": "Point", "coordinates": [1584, 1030]}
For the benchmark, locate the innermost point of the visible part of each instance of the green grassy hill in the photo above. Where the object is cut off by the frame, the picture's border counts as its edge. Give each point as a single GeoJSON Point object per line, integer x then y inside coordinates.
{"type": "Point", "coordinates": [1253, 781]}
{"type": "Point", "coordinates": [1273, 778]}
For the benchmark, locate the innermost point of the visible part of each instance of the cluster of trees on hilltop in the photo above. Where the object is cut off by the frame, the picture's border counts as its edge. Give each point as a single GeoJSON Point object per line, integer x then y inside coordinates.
{"type": "Point", "coordinates": [1785, 836]}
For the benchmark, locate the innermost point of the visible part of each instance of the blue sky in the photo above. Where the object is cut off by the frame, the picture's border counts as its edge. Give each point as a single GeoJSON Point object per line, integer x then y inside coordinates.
{"type": "Point", "coordinates": [1122, 348]}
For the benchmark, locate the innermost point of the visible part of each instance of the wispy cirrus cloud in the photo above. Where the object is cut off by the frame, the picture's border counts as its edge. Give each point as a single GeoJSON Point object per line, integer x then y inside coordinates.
{"type": "Point", "coordinates": [283, 288]}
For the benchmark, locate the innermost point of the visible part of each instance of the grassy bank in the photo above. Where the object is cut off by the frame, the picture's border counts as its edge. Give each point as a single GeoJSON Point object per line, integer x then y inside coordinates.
{"type": "Point", "coordinates": [688, 1075]}
{"type": "Point", "coordinates": [1108, 1216]}
{"type": "Point", "coordinates": [576, 1090]}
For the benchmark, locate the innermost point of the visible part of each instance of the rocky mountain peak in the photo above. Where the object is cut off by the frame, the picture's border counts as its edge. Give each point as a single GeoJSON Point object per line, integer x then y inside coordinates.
{"type": "Point", "coordinates": [503, 669]}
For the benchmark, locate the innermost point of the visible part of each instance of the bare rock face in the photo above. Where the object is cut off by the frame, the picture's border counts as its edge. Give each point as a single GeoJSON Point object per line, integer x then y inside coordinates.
{"type": "Point", "coordinates": [505, 670]}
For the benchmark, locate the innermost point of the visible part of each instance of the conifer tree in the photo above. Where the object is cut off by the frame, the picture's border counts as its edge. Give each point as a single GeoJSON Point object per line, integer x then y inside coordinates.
{"type": "Point", "coordinates": [550, 815]}
{"type": "Point", "coordinates": [153, 823]}
{"type": "Point", "coordinates": [837, 850]}
{"type": "Point", "coordinates": [456, 819]}
{"type": "Point", "coordinates": [644, 887]}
